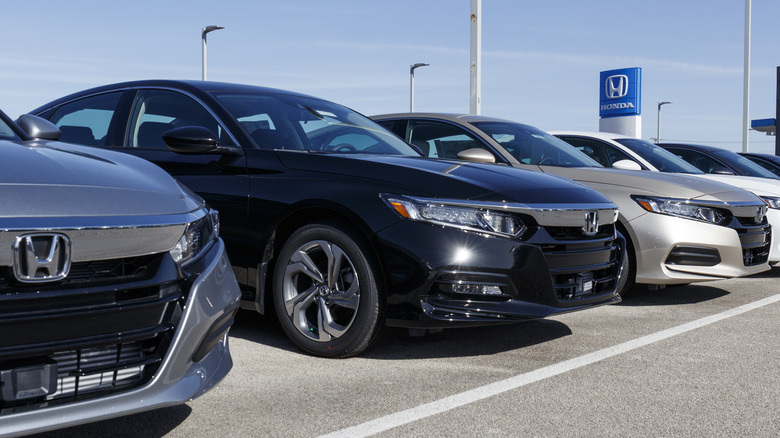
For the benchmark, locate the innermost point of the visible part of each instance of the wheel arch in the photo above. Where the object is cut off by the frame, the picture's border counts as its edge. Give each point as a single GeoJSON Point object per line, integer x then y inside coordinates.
{"type": "Point", "coordinates": [342, 218]}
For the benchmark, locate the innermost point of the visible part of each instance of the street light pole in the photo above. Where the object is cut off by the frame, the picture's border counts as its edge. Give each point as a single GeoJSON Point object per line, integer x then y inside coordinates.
{"type": "Point", "coordinates": [411, 84]}
{"type": "Point", "coordinates": [203, 33]}
{"type": "Point", "coordinates": [658, 132]}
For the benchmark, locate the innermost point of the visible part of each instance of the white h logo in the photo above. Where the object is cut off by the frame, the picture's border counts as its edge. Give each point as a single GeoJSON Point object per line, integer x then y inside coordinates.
{"type": "Point", "coordinates": [616, 86]}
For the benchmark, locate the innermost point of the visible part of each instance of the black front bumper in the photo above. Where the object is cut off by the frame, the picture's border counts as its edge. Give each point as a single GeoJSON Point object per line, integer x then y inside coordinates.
{"type": "Point", "coordinates": [440, 277]}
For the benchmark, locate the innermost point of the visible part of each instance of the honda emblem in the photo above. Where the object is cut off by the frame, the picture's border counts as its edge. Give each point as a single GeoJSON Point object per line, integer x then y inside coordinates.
{"type": "Point", "coordinates": [616, 86]}
{"type": "Point", "coordinates": [591, 226]}
{"type": "Point", "coordinates": [41, 257]}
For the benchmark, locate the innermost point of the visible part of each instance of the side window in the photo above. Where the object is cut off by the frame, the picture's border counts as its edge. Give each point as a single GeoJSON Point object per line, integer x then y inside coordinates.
{"type": "Point", "coordinates": [441, 140]}
{"type": "Point", "coordinates": [606, 154]}
{"type": "Point", "coordinates": [87, 121]}
{"type": "Point", "coordinates": [701, 161]}
{"type": "Point", "coordinates": [155, 112]}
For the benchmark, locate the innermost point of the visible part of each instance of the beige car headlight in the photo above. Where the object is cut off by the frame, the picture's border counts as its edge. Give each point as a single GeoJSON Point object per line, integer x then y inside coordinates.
{"type": "Point", "coordinates": [681, 208]}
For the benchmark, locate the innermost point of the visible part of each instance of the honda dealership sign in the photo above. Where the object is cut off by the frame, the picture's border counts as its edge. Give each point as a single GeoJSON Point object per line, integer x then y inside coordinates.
{"type": "Point", "coordinates": [620, 101]}
{"type": "Point", "coordinates": [621, 92]}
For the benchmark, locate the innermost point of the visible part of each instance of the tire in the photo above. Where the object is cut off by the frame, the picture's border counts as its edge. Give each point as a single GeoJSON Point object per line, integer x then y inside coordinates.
{"type": "Point", "coordinates": [326, 293]}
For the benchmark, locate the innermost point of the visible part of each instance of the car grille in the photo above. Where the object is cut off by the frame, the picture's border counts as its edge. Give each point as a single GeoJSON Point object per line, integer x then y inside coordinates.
{"type": "Point", "coordinates": [97, 338]}
{"type": "Point", "coordinates": [755, 239]}
{"type": "Point", "coordinates": [582, 266]}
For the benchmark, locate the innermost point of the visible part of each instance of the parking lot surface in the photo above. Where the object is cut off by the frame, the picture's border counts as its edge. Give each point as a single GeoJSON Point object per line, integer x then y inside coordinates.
{"type": "Point", "coordinates": [698, 360]}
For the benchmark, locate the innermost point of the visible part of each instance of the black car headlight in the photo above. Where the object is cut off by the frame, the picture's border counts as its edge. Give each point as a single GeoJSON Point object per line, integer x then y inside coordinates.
{"type": "Point", "coordinates": [772, 201]}
{"type": "Point", "coordinates": [199, 235]}
{"type": "Point", "coordinates": [682, 208]}
{"type": "Point", "coordinates": [457, 214]}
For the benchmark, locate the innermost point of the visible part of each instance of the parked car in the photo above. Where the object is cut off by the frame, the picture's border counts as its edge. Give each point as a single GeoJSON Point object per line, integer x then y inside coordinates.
{"type": "Point", "coordinates": [711, 159]}
{"type": "Point", "coordinates": [679, 229]}
{"type": "Point", "coordinates": [635, 153]}
{"type": "Point", "coordinates": [116, 294]}
{"type": "Point", "coordinates": [767, 161]}
{"type": "Point", "coordinates": [347, 228]}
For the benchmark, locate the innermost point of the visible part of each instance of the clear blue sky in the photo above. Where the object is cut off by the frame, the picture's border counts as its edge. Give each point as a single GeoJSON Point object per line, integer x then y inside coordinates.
{"type": "Point", "coordinates": [541, 59]}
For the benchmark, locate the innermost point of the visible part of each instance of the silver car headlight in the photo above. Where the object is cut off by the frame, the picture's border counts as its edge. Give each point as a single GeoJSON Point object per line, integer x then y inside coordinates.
{"type": "Point", "coordinates": [197, 238]}
{"type": "Point", "coordinates": [772, 201]}
{"type": "Point", "coordinates": [457, 215]}
{"type": "Point", "coordinates": [681, 208]}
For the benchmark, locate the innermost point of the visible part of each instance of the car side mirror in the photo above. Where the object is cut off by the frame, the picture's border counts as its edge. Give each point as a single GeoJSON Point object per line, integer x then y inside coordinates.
{"type": "Point", "coordinates": [476, 155]}
{"type": "Point", "coordinates": [626, 165]}
{"type": "Point", "coordinates": [38, 128]}
{"type": "Point", "coordinates": [193, 140]}
{"type": "Point", "coordinates": [721, 171]}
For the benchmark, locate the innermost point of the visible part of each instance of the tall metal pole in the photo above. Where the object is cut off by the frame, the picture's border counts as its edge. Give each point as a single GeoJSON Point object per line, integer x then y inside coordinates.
{"type": "Point", "coordinates": [411, 83]}
{"type": "Point", "coordinates": [203, 33]}
{"type": "Point", "coordinates": [658, 129]}
{"type": "Point", "coordinates": [746, 81]}
{"type": "Point", "coordinates": [476, 57]}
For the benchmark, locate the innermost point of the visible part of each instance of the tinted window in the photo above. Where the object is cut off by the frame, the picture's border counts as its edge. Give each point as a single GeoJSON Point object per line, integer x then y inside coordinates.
{"type": "Point", "coordinates": [743, 165]}
{"type": "Point", "coordinates": [659, 157]}
{"type": "Point", "coordinates": [158, 111]}
{"type": "Point", "coordinates": [701, 161]}
{"type": "Point", "coordinates": [533, 146]}
{"type": "Point", "coordinates": [87, 121]}
{"type": "Point", "coordinates": [604, 153]}
{"type": "Point", "coordinates": [300, 123]}
{"type": "Point", "coordinates": [442, 140]}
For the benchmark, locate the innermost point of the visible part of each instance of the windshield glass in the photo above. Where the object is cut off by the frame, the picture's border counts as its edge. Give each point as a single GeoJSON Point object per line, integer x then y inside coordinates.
{"type": "Point", "coordinates": [744, 165]}
{"type": "Point", "coordinates": [659, 157]}
{"type": "Point", "coordinates": [530, 145]}
{"type": "Point", "coordinates": [276, 121]}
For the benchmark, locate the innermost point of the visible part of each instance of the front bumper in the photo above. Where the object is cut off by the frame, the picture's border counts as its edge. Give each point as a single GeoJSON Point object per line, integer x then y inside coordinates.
{"type": "Point", "coordinates": [441, 277]}
{"type": "Point", "coordinates": [659, 239]}
{"type": "Point", "coordinates": [197, 358]}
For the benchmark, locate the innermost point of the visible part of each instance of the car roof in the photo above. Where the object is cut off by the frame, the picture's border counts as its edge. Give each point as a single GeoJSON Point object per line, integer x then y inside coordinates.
{"type": "Point", "coordinates": [698, 147]}
{"type": "Point", "coordinates": [468, 118]}
{"type": "Point", "coordinates": [598, 135]}
{"type": "Point", "coordinates": [193, 86]}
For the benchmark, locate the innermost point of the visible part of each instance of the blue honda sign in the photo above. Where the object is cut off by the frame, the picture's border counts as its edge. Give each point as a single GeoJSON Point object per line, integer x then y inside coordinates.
{"type": "Point", "coordinates": [621, 92]}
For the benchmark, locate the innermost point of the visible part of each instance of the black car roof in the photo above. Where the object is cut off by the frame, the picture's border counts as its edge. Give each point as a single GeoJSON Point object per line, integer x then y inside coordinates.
{"type": "Point", "coordinates": [193, 86]}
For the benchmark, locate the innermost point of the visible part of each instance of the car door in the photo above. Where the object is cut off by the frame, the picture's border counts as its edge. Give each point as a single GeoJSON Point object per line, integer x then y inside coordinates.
{"type": "Point", "coordinates": [134, 120]}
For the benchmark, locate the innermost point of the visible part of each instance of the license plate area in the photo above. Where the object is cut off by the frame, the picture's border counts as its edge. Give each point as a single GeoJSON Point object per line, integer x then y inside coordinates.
{"type": "Point", "coordinates": [27, 381]}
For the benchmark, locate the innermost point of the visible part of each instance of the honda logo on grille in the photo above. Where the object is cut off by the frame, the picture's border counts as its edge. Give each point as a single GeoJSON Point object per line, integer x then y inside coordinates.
{"type": "Point", "coordinates": [591, 226]}
{"type": "Point", "coordinates": [616, 86]}
{"type": "Point", "coordinates": [41, 257]}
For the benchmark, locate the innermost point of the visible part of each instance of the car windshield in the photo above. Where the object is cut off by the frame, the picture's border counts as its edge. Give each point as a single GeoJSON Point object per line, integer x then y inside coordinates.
{"type": "Point", "coordinates": [530, 145]}
{"type": "Point", "coordinates": [277, 121]}
{"type": "Point", "coordinates": [659, 157]}
{"type": "Point", "coordinates": [743, 165]}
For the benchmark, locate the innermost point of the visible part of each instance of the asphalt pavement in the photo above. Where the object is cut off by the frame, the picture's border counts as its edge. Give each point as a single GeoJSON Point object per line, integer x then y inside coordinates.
{"type": "Point", "coordinates": [697, 360]}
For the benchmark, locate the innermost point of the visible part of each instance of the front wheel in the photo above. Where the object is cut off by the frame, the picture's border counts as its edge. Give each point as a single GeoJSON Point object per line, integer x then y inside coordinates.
{"type": "Point", "coordinates": [326, 293]}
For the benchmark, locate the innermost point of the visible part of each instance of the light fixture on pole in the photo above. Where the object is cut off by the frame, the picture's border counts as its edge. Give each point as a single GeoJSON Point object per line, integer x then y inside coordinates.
{"type": "Point", "coordinates": [411, 84]}
{"type": "Point", "coordinates": [658, 131]}
{"type": "Point", "coordinates": [206, 30]}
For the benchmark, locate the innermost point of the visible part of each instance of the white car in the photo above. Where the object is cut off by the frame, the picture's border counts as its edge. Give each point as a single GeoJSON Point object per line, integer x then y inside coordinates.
{"type": "Point", "coordinates": [619, 151]}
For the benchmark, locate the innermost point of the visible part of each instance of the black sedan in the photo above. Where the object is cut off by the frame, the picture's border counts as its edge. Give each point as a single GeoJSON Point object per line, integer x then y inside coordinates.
{"type": "Point", "coordinates": [711, 159]}
{"type": "Point", "coordinates": [767, 161]}
{"type": "Point", "coordinates": [345, 228]}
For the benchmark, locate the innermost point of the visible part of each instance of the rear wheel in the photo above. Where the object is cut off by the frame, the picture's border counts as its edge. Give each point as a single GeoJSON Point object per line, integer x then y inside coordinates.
{"type": "Point", "coordinates": [326, 293]}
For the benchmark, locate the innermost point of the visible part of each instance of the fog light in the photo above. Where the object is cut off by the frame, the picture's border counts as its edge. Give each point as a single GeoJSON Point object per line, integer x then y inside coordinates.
{"type": "Point", "coordinates": [480, 289]}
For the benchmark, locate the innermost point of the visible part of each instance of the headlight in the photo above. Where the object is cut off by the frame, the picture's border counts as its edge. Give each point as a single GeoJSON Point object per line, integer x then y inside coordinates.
{"type": "Point", "coordinates": [453, 214]}
{"type": "Point", "coordinates": [197, 238]}
{"type": "Point", "coordinates": [772, 201]}
{"type": "Point", "coordinates": [681, 208]}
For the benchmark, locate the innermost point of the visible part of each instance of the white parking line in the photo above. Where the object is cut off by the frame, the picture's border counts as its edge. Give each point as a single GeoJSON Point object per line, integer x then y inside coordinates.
{"type": "Point", "coordinates": [454, 401]}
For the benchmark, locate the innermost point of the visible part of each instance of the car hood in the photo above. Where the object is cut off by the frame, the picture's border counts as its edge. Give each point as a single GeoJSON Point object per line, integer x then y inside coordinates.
{"type": "Point", "coordinates": [680, 186]}
{"type": "Point", "coordinates": [447, 179]}
{"type": "Point", "coordinates": [758, 186]}
{"type": "Point", "coordinates": [52, 179]}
